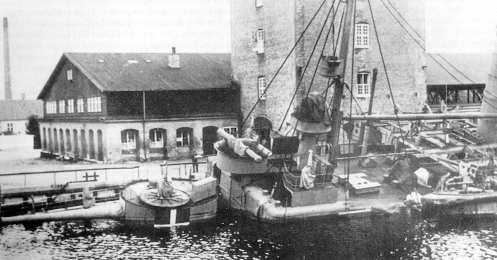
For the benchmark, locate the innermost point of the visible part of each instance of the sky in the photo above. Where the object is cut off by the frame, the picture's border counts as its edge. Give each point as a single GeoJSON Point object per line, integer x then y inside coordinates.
{"type": "Point", "coordinates": [40, 31]}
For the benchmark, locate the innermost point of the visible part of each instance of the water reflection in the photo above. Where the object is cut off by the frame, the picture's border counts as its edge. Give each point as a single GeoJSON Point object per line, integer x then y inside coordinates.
{"type": "Point", "coordinates": [228, 237]}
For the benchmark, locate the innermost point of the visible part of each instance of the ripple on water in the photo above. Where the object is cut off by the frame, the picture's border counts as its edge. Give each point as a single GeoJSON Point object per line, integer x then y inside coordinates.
{"type": "Point", "coordinates": [227, 238]}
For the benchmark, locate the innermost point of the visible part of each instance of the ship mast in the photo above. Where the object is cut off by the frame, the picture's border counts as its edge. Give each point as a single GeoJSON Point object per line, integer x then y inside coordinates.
{"type": "Point", "coordinates": [339, 82]}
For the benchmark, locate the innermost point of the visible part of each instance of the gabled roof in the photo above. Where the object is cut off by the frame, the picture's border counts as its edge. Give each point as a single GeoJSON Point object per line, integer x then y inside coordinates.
{"type": "Point", "coordinates": [476, 66]}
{"type": "Point", "coordinates": [20, 109]}
{"type": "Point", "coordinates": [149, 71]}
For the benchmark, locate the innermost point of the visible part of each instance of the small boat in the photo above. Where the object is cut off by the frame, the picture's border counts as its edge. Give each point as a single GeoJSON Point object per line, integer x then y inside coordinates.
{"type": "Point", "coordinates": [460, 204]}
{"type": "Point", "coordinates": [470, 193]}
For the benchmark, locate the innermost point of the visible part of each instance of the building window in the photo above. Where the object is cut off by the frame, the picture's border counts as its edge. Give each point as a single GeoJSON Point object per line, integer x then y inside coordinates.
{"type": "Point", "coordinates": [128, 139]}
{"type": "Point", "coordinates": [62, 106]}
{"type": "Point", "coordinates": [69, 75]}
{"type": "Point", "coordinates": [261, 87]}
{"type": "Point", "coordinates": [232, 130]}
{"type": "Point", "coordinates": [259, 3]}
{"type": "Point", "coordinates": [184, 136]}
{"type": "Point", "coordinates": [80, 105]}
{"type": "Point", "coordinates": [10, 127]}
{"type": "Point", "coordinates": [362, 35]}
{"type": "Point", "coordinates": [156, 136]}
{"type": "Point", "coordinates": [362, 84]}
{"type": "Point", "coordinates": [259, 41]}
{"type": "Point", "coordinates": [51, 107]}
{"type": "Point", "coordinates": [70, 106]}
{"type": "Point", "coordinates": [94, 104]}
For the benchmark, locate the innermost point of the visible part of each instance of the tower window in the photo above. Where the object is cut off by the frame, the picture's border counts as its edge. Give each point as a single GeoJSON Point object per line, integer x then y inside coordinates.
{"type": "Point", "coordinates": [261, 87]}
{"type": "Point", "coordinates": [362, 35]}
{"type": "Point", "coordinates": [362, 85]}
{"type": "Point", "coordinates": [259, 41]}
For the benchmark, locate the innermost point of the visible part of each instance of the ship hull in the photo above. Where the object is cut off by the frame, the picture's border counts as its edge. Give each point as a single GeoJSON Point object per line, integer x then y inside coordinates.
{"type": "Point", "coordinates": [453, 204]}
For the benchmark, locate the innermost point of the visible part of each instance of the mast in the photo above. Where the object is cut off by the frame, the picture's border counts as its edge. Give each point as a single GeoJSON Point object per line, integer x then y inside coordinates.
{"type": "Point", "coordinates": [336, 114]}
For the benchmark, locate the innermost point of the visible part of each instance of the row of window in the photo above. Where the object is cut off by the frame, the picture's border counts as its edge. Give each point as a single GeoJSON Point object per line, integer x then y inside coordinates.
{"type": "Point", "coordinates": [157, 137]}
{"type": "Point", "coordinates": [93, 104]}
{"type": "Point", "coordinates": [361, 38]}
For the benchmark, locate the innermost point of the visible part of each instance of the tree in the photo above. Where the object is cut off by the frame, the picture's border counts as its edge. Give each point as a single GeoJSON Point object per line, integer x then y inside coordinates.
{"type": "Point", "coordinates": [33, 128]}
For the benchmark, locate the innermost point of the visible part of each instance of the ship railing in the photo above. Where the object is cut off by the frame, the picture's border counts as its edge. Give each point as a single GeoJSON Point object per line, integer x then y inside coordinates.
{"type": "Point", "coordinates": [185, 170]}
{"type": "Point", "coordinates": [323, 171]}
{"type": "Point", "coordinates": [116, 174]}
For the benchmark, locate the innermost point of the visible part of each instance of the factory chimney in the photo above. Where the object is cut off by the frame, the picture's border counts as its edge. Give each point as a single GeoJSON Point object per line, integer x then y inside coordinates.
{"type": "Point", "coordinates": [488, 127]}
{"type": "Point", "coordinates": [6, 59]}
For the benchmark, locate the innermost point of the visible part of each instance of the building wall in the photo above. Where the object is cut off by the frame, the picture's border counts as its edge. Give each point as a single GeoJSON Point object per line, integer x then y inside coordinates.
{"type": "Point", "coordinates": [79, 87]}
{"type": "Point", "coordinates": [277, 20]}
{"type": "Point", "coordinates": [405, 60]}
{"type": "Point", "coordinates": [111, 137]}
{"type": "Point", "coordinates": [283, 22]}
{"type": "Point", "coordinates": [18, 126]}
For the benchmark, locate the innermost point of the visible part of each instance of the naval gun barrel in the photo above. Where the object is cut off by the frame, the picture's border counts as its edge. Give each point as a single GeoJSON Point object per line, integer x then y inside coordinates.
{"type": "Point", "coordinates": [244, 147]}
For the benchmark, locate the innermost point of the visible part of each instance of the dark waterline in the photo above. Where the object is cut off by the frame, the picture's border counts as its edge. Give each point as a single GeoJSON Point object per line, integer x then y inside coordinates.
{"type": "Point", "coordinates": [230, 237]}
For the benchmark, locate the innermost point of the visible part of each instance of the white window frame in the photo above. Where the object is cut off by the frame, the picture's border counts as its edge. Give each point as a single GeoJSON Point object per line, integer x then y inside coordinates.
{"type": "Point", "coordinates": [70, 106]}
{"type": "Point", "coordinates": [261, 88]}
{"type": "Point", "coordinates": [182, 135]}
{"type": "Point", "coordinates": [94, 104]}
{"type": "Point", "coordinates": [69, 75]}
{"type": "Point", "coordinates": [361, 36]}
{"type": "Point", "coordinates": [80, 102]}
{"type": "Point", "coordinates": [232, 130]}
{"type": "Point", "coordinates": [363, 87]}
{"type": "Point", "coordinates": [260, 35]}
{"type": "Point", "coordinates": [129, 140]}
{"type": "Point", "coordinates": [154, 141]}
{"type": "Point", "coordinates": [62, 106]}
{"type": "Point", "coordinates": [259, 3]}
{"type": "Point", "coordinates": [10, 127]}
{"type": "Point", "coordinates": [51, 107]}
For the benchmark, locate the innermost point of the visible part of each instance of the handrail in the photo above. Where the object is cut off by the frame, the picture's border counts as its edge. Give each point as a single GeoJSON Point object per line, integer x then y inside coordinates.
{"type": "Point", "coordinates": [70, 170]}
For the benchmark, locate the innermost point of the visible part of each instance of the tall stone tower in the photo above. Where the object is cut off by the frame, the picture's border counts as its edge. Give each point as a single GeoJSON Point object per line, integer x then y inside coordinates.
{"type": "Point", "coordinates": [263, 33]}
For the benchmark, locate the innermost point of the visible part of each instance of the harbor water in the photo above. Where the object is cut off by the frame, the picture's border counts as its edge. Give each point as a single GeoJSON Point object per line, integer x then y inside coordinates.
{"type": "Point", "coordinates": [235, 237]}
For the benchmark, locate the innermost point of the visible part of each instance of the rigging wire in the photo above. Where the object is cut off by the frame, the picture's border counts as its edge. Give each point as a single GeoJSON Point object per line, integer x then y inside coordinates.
{"type": "Point", "coordinates": [421, 38]}
{"type": "Point", "coordinates": [328, 85]}
{"type": "Point", "coordinates": [349, 136]}
{"type": "Point", "coordinates": [283, 63]}
{"type": "Point", "coordinates": [385, 69]}
{"type": "Point", "coordinates": [307, 64]}
{"type": "Point", "coordinates": [335, 45]}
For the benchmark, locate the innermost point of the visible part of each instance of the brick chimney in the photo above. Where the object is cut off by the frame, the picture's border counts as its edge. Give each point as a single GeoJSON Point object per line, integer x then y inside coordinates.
{"type": "Point", "coordinates": [6, 59]}
{"type": "Point", "coordinates": [173, 60]}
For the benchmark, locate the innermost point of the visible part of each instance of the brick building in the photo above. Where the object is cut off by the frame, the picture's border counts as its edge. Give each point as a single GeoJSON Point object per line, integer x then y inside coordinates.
{"type": "Point", "coordinates": [263, 33]}
{"type": "Point", "coordinates": [128, 106]}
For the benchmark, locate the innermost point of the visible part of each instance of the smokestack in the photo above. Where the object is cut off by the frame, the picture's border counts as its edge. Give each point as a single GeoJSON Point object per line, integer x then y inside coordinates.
{"type": "Point", "coordinates": [487, 127]}
{"type": "Point", "coordinates": [6, 60]}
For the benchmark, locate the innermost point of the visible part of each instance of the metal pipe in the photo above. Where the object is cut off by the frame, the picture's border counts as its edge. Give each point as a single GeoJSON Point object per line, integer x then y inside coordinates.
{"type": "Point", "coordinates": [425, 116]}
{"type": "Point", "coordinates": [111, 210]}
